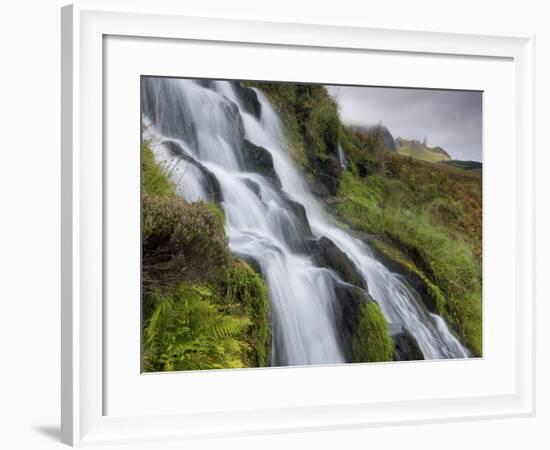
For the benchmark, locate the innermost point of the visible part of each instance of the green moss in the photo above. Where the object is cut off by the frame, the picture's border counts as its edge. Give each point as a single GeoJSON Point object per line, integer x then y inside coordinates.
{"type": "Point", "coordinates": [372, 341]}
{"type": "Point", "coordinates": [154, 181]}
{"type": "Point", "coordinates": [244, 288]}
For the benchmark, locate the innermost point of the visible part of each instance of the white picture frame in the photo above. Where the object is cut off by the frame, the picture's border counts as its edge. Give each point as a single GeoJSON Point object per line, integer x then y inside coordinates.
{"type": "Point", "coordinates": [84, 394]}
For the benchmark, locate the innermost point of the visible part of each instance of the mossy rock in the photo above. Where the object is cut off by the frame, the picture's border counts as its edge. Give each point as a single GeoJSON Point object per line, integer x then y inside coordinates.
{"type": "Point", "coordinates": [372, 341]}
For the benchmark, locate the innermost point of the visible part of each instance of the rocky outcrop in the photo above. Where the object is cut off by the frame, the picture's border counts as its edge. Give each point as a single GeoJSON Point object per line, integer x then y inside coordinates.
{"type": "Point", "coordinates": [257, 159]}
{"type": "Point", "coordinates": [384, 135]}
{"type": "Point", "coordinates": [210, 183]}
{"type": "Point", "coordinates": [405, 346]}
{"type": "Point", "coordinates": [326, 254]}
{"type": "Point", "coordinates": [326, 175]}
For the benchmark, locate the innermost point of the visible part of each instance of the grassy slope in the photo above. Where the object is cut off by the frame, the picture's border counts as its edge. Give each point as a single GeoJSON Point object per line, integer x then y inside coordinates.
{"type": "Point", "coordinates": [203, 308]}
{"type": "Point", "coordinates": [427, 216]}
{"type": "Point", "coordinates": [417, 150]}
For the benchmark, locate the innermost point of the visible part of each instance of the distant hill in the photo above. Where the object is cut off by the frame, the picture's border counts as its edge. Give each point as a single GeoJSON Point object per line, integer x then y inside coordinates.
{"type": "Point", "coordinates": [417, 150]}
{"type": "Point", "coordinates": [466, 165]}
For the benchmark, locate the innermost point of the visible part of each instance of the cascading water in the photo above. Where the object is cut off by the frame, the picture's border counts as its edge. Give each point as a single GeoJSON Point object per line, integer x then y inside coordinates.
{"type": "Point", "coordinates": [209, 139]}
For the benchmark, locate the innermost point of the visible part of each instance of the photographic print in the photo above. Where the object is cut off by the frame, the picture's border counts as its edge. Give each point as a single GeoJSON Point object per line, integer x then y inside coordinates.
{"type": "Point", "coordinates": [293, 224]}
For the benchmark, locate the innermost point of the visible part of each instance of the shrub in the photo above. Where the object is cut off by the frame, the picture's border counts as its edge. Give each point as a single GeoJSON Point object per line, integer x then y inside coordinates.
{"type": "Point", "coordinates": [372, 341]}
{"type": "Point", "coordinates": [180, 242]}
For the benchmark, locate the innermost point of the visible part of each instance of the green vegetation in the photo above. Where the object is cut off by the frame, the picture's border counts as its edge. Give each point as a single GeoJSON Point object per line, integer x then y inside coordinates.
{"type": "Point", "coordinates": [372, 341]}
{"type": "Point", "coordinates": [154, 182]}
{"type": "Point", "coordinates": [427, 215]}
{"type": "Point", "coordinates": [202, 307]}
{"type": "Point", "coordinates": [309, 115]}
{"type": "Point", "coordinates": [417, 150]}
{"type": "Point", "coordinates": [187, 331]}
{"type": "Point", "coordinates": [431, 216]}
{"type": "Point", "coordinates": [245, 290]}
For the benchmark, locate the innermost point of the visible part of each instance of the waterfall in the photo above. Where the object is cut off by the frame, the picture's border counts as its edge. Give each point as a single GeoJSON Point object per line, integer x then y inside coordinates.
{"type": "Point", "coordinates": [218, 144]}
{"type": "Point", "coordinates": [342, 157]}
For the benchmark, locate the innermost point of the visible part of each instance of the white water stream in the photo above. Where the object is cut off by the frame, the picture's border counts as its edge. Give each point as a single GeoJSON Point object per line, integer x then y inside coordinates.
{"type": "Point", "coordinates": [209, 123]}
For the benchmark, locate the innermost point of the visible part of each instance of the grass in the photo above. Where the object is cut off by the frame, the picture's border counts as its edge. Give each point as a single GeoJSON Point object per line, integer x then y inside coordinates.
{"type": "Point", "coordinates": [154, 182]}
{"type": "Point", "coordinates": [425, 219]}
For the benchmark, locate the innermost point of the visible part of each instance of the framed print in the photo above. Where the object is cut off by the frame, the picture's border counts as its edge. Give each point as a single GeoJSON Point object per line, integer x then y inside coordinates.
{"type": "Point", "coordinates": [270, 226]}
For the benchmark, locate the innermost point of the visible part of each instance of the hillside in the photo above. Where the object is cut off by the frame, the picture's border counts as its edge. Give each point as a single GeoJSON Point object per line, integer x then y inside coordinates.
{"type": "Point", "coordinates": [417, 150]}
{"type": "Point", "coordinates": [474, 166]}
{"type": "Point", "coordinates": [423, 218]}
{"type": "Point", "coordinates": [323, 247]}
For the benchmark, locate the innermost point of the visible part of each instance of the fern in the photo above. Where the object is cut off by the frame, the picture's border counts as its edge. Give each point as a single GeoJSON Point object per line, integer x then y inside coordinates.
{"type": "Point", "coordinates": [186, 332]}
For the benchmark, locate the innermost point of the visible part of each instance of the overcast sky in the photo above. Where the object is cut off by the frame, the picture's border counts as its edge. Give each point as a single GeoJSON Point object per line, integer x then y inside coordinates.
{"type": "Point", "coordinates": [450, 119]}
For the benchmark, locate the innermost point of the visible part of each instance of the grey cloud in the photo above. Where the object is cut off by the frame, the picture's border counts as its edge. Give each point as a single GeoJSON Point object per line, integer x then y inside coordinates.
{"type": "Point", "coordinates": [450, 119]}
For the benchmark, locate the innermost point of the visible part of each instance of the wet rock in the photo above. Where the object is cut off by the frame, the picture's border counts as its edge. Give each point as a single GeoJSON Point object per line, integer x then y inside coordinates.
{"type": "Point", "coordinates": [210, 182]}
{"type": "Point", "coordinates": [257, 159]}
{"type": "Point", "coordinates": [406, 347]}
{"type": "Point", "coordinates": [233, 117]}
{"type": "Point", "coordinates": [326, 254]}
{"type": "Point", "coordinates": [253, 186]}
{"type": "Point", "coordinates": [205, 83]}
{"type": "Point", "coordinates": [249, 99]}
{"type": "Point", "coordinates": [296, 226]}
